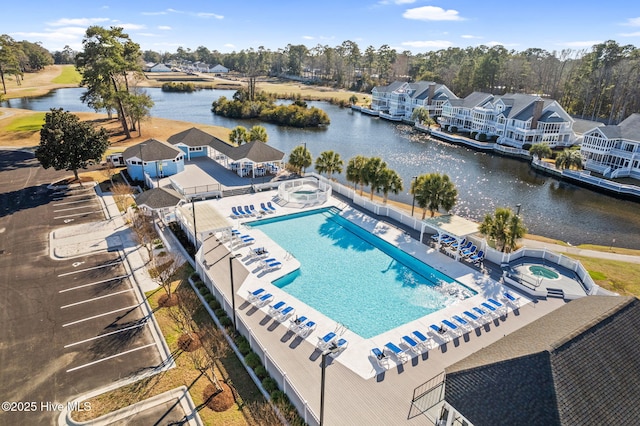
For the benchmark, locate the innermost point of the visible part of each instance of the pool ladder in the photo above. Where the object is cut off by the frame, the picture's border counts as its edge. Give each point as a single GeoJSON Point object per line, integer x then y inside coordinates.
{"type": "Point", "coordinates": [340, 328]}
{"type": "Point", "coordinates": [288, 256]}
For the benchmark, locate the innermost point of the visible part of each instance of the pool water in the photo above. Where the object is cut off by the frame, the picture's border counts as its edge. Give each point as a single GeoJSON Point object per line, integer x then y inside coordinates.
{"type": "Point", "coordinates": [354, 277]}
{"type": "Point", "coordinates": [543, 272]}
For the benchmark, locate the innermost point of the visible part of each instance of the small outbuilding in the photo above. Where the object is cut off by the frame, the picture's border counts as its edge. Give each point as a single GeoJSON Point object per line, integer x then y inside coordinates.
{"type": "Point", "coordinates": [154, 158]}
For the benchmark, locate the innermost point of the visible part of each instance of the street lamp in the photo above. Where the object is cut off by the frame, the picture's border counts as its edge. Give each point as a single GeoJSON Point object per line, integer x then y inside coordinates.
{"type": "Point", "coordinates": [413, 202]}
{"type": "Point", "coordinates": [322, 380]}
{"type": "Point", "coordinates": [304, 169]}
{"type": "Point", "coordinates": [518, 209]}
{"type": "Point", "coordinates": [195, 234]}
{"type": "Point", "coordinates": [233, 292]}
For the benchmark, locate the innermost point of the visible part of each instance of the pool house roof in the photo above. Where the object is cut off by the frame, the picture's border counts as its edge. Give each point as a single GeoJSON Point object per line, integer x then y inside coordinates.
{"type": "Point", "coordinates": [257, 152]}
{"type": "Point", "coordinates": [208, 219]}
{"type": "Point", "coordinates": [450, 224]}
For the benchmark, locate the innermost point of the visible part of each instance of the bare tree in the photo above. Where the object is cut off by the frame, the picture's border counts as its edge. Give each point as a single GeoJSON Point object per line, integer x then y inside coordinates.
{"type": "Point", "coordinates": [162, 270]}
{"type": "Point", "coordinates": [122, 195]}
{"type": "Point", "coordinates": [143, 230]}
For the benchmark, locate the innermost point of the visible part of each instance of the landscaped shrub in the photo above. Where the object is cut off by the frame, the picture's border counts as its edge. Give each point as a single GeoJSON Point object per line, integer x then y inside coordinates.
{"type": "Point", "coordinates": [252, 360]}
{"type": "Point", "coordinates": [279, 398]}
{"type": "Point", "coordinates": [526, 146]}
{"type": "Point", "coordinates": [454, 129]}
{"type": "Point", "coordinates": [209, 297]}
{"type": "Point", "coordinates": [270, 385]}
{"type": "Point", "coordinates": [204, 290]}
{"type": "Point", "coordinates": [261, 372]}
{"type": "Point", "coordinates": [195, 277]}
{"type": "Point", "coordinates": [214, 304]}
{"type": "Point", "coordinates": [225, 321]}
{"type": "Point", "coordinates": [482, 137]}
{"type": "Point", "coordinates": [472, 135]}
{"type": "Point", "coordinates": [244, 348]}
{"type": "Point", "coordinates": [493, 138]}
{"type": "Point", "coordinates": [220, 312]}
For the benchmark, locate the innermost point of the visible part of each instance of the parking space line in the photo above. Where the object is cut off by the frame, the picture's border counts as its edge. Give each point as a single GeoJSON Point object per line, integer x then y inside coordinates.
{"type": "Point", "coordinates": [89, 200]}
{"type": "Point", "coordinates": [90, 206]}
{"type": "Point", "coordinates": [114, 262]}
{"type": "Point", "coordinates": [100, 336]}
{"type": "Point", "coordinates": [101, 315]}
{"type": "Point", "coordinates": [120, 277]}
{"type": "Point", "coordinates": [66, 193]}
{"type": "Point", "coordinates": [93, 299]}
{"type": "Point", "coordinates": [110, 357]}
{"type": "Point", "coordinates": [77, 214]}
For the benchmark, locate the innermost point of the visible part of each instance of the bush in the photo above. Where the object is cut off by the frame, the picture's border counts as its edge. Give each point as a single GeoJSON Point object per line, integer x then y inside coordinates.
{"type": "Point", "coordinates": [225, 321]}
{"type": "Point", "coordinates": [279, 398]}
{"type": "Point", "coordinates": [214, 304]}
{"type": "Point", "coordinates": [220, 312]}
{"type": "Point", "coordinates": [472, 135]}
{"type": "Point", "coordinates": [244, 348]}
{"type": "Point", "coordinates": [204, 290]}
{"type": "Point", "coordinates": [270, 385]}
{"type": "Point", "coordinates": [526, 146]}
{"type": "Point", "coordinates": [261, 372]}
{"type": "Point", "coordinates": [252, 360]}
{"type": "Point", "coordinates": [482, 137]}
{"type": "Point", "coordinates": [454, 129]}
{"type": "Point", "coordinates": [209, 298]}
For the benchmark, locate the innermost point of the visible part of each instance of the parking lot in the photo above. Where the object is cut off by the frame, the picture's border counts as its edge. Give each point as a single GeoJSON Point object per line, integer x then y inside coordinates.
{"type": "Point", "coordinates": [70, 324]}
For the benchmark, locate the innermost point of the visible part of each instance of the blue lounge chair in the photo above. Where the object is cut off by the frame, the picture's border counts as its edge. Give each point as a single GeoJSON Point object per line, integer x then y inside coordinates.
{"type": "Point", "coordinates": [511, 298]}
{"type": "Point", "coordinates": [262, 300]}
{"type": "Point", "coordinates": [253, 295]}
{"type": "Point", "coordinates": [306, 329]}
{"type": "Point", "coordinates": [496, 303]}
{"type": "Point", "coordinates": [275, 309]}
{"type": "Point", "coordinates": [471, 316]}
{"type": "Point", "coordinates": [423, 340]}
{"type": "Point", "coordinates": [468, 252]}
{"type": "Point", "coordinates": [479, 311]}
{"type": "Point", "coordinates": [413, 345]}
{"type": "Point", "coordinates": [272, 265]}
{"type": "Point", "coordinates": [338, 346]}
{"type": "Point", "coordinates": [242, 212]}
{"type": "Point", "coordinates": [381, 358]}
{"type": "Point", "coordinates": [438, 329]}
{"type": "Point", "coordinates": [236, 213]}
{"type": "Point", "coordinates": [270, 206]}
{"type": "Point", "coordinates": [252, 209]}
{"type": "Point", "coordinates": [448, 239]}
{"type": "Point", "coordinates": [457, 244]}
{"type": "Point", "coordinates": [264, 208]}
{"type": "Point", "coordinates": [476, 258]}
{"type": "Point", "coordinates": [454, 328]}
{"type": "Point", "coordinates": [467, 246]}
{"type": "Point", "coordinates": [248, 211]}
{"type": "Point", "coordinates": [463, 323]}
{"type": "Point", "coordinates": [489, 308]}
{"type": "Point", "coordinates": [396, 351]}
{"type": "Point", "coordinates": [296, 323]}
{"type": "Point", "coordinates": [284, 314]}
{"type": "Point", "coordinates": [325, 341]}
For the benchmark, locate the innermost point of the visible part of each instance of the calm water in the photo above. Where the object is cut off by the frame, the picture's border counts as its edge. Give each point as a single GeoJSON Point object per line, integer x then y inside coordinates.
{"type": "Point", "coordinates": [399, 288]}
{"type": "Point", "coordinates": [484, 181]}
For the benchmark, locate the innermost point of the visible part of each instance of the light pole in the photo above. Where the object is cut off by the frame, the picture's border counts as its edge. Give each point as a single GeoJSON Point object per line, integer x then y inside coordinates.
{"type": "Point", "coordinates": [304, 169]}
{"type": "Point", "coordinates": [322, 380]}
{"type": "Point", "coordinates": [413, 202]}
{"type": "Point", "coordinates": [518, 209]}
{"type": "Point", "coordinates": [233, 292]}
{"type": "Point", "coordinates": [195, 233]}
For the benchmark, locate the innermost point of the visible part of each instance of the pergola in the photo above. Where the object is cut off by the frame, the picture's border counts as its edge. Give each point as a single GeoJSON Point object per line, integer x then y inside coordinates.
{"type": "Point", "coordinates": [253, 153]}
{"type": "Point", "coordinates": [205, 220]}
{"type": "Point", "coordinates": [450, 224]}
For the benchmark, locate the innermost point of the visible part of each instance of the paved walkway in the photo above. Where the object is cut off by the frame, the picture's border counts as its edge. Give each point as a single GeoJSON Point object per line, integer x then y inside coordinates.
{"type": "Point", "coordinates": [582, 252]}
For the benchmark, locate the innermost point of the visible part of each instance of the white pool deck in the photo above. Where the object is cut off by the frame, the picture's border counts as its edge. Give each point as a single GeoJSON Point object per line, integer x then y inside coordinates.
{"type": "Point", "coordinates": [359, 388]}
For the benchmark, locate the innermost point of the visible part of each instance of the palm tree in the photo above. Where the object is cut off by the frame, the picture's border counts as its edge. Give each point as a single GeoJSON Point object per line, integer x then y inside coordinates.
{"type": "Point", "coordinates": [258, 133]}
{"type": "Point", "coordinates": [353, 99]}
{"type": "Point", "coordinates": [504, 227]}
{"type": "Point", "coordinates": [238, 135]}
{"type": "Point", "coordinates": [372, 174]}
{"type": "Point", "coordinates": [420, 114]}
{"type": "Point", "coordinates": [390, 181]}
{"type": "Point", "coordinates": [355, 169]}
{"type": "Point", "coordinates": [541, 150]}
{"type": "Point", "coordinates": [329, 162]}
{"type": "Point", "coordinates": [434, 191]}
{"type": "Point", "coordinates": [569, 159]}
{"type": "Point", "coordinates": [300, 158]}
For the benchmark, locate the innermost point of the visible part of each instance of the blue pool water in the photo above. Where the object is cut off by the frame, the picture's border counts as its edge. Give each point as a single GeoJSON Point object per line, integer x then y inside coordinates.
{"type": "Point", "coordinates": [354, 277]}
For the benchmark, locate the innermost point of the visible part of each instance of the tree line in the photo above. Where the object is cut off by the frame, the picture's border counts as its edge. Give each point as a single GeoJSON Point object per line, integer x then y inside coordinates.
{"type": "Point", "coordinates": [18, 57]}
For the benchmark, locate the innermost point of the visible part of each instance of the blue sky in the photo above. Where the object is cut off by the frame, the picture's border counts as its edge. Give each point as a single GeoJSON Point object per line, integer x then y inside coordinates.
{"type": "Point", "coordinates": [413, 25]}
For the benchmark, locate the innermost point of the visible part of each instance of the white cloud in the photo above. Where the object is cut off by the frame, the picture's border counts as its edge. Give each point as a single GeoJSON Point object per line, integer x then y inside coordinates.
{"type": "Point", "coordinates": [229, 45]}
{"type": "Point", "coordinates": [633, 22]}
{"type": "Point", "coordinates": [428, 44]}
{"type": "Point", "coordinates": [385, 2]}
{"type": "Point", "coordinates": [164, 27]}
{"type": "Point", "coordinates": [580, 44]}
{"type": "Point", "coordinates": [499, 43]}
{"type": "Point", "coordinates": [83, 22]}
{"type": "Point", "coordinates": [637, 34]}
{"type": "Point", "coordinates": [130, 26]}
{"type": "Point", "coordinates": [308, 37]}
{"type": "Point", "coordinates": [209, 15]}
{"type": "Point", "coordinates": [164, 12]}
{"type": "Point", "coordinates": [432, 13]}
{"type": "Point", "coordinates": [469, 36]}
{"type": "Point", "coordinates": [183, 12]}
{"type": "Point", "coordinates": [147, 35]}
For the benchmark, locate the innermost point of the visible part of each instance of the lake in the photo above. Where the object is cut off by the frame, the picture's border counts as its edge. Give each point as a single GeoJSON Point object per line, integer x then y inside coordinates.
{"type": "Point", "coordinates": [485, 181]}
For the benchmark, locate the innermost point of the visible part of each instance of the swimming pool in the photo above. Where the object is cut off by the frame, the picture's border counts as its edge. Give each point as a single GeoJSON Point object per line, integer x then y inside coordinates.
{"type": "Point", "coordinates": [355, 277]}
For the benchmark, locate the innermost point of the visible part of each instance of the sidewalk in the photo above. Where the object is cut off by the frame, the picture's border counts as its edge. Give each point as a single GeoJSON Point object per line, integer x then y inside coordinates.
{"type": "Point", "coordinates": [114, 234]}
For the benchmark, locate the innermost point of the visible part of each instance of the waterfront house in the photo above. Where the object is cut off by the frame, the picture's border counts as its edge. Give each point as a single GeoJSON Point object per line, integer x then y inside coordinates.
{"type": "Point", "coordinates": [398, 100]}
{"type": "Point", "coordinates": [512, 119]}
{"type": "Point", "coordinates": [219, 69]}
{"type": "Point", "coordinates": [614, 150]}
{"type": "Point", "coordinates": [578, 365]}
{"type": "Point", "coordinates": [197, 143]}
{"type": "Point", "coordinates": [154, 158]}
{"type": "Point", "coordinates": [156, 68]}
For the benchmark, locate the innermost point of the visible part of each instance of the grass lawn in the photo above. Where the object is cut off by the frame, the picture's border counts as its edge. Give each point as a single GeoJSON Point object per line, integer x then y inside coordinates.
{"type": "Point", "coordinates": [249, 402]}
{"type": "Point", "coordinates": [621, 277]}
{"type": "Point", "coordinates": [28, 123]}
{"type": "Point", "coordinates": [69, 75]}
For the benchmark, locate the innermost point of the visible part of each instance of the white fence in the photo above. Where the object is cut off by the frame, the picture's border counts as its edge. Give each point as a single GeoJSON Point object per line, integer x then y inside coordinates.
{"type": "Point", "coordinates": [308, 190]}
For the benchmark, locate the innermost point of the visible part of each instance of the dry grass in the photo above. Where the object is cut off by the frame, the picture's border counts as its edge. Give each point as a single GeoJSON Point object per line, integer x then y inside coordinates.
{"type": "Point", "coordinates": [620, 277]}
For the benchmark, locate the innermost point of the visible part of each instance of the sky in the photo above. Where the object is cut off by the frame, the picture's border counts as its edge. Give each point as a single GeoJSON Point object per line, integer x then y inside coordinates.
{"type": "Point", "coordinates": [414, 25]}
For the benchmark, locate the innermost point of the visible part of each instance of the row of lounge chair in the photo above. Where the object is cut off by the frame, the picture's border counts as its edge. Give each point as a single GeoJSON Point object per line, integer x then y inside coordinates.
{"type": "Point", "coordinates": [458, 325]}
{"type": "Point", "coordinates": [332, 343]}
{"type": "Point", "coordinates": [465, 248]}
{"type": "Point", "coordinates": [250, 210]}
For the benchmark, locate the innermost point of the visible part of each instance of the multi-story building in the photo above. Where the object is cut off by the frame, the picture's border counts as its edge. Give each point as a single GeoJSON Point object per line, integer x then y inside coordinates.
{"type": "Point", "coordinates": [510, 119]}
{"type": "Point", "coordinates": [398, 100]}
{"type": "Point", "coordinates": [614, 150]}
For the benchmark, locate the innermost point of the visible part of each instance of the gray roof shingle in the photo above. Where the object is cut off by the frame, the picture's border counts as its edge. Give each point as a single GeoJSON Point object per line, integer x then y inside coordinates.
{"type": "Point", "coordinates": [158, 198]}
{"type": "Point", "coordinates": [152, 150]}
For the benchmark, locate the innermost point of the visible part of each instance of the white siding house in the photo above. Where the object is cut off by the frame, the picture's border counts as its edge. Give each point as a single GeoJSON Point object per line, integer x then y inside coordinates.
{"type": "Point", "coordinates": [398, 100]}
{"type": "Point", "coordinates": [614, 151]}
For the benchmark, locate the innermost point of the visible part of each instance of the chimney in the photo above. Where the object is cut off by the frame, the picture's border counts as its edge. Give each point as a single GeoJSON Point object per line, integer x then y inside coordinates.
{"type": "Point", "coordinates": [537, 112]}
{"type": "Point", "coordinates": [432, 92]}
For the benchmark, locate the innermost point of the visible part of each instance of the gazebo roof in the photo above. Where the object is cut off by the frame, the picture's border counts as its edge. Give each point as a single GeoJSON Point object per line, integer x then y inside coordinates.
{"type": "Point", "coordinates": [451, 224]}
{"type": "Point", "coordinates": [158, 198]}
{"type": "Point", "coordinates": [258, 152]}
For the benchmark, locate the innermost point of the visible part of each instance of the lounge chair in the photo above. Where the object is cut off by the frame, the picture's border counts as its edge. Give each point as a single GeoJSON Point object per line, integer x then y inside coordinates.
{"type": "Point", "coordinates": [306, 329]}
{"type": "Point", "coordinates": [479, 311]}
{"type": "Point", "coordinates": [338, 346]}
{"type": "Point", "coordinates": [272, 266]}
{"type": "Point", "coordinates": [477, 258]}
{"type": "Point", "coordinates": [253, 295]}
{"type": "Point", "coordinates": [262, 300]}
{"type": "Point", "coordinates": [325, 341]}
{"type": "Point", "coordinates": [253, 210]}
{"type": "Point", "coordinates": [413, 345]}
{"type": "Point", "coordinates": [490, 308]}
{"type": "Point", "coordinates": [243, 241]}
{"type": "Point", "coordinates": [472, 317]}
{"type": "Point", "coordinates": [468, 252]}
{"type": "Point", "coordinates": [296, 323]}
{"type": "Point", "coordinates": [248, 211]}
{"type": "Point", "coordinates": [381, 358]}
{"type": "Point", "coordinates": [284, 314]}
{"type": "Point", "coordinates": [462, 322]}
{"type": "Point", "coordinates": [448, 239]}
{"type": "Point", "coordinates": [264, 208]}
{"type": "Point", "coordinates": [270, 206]}
{"type": "Point", "coordinates": [275, 309]}
{"type": "Point", "coordinates": [467, 246]}
{"type": "Point", "coordinates": [457, 244]}
{"type": "Point", "coordinates": [511, 298]}
{"type": "Point", "coordinates": [396, 351]}
{"type": "Point", "coordinates": [423, 340]}
{"type": "Point", "coordinates": [258, 253]}
{"type": "Point", "coordinates": [495, 303]}
{"type": "Point", "coordinates": [438, 329]}
{"type": "Point", "coordinates": [242, 212]}
{"type": "Point", "coordinates": [454, 328]}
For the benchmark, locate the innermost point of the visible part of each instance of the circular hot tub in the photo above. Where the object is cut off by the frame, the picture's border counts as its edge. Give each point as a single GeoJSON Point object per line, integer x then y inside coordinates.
{"type": "Point", "coordinates": [541, 271]}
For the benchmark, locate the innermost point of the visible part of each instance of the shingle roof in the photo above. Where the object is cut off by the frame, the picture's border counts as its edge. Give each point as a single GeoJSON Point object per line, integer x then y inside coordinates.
{"type": "Point", "coordinates": [476, 98]}
{"type": "Point", "coordinates": [158, 198]}
{"type": "Point", "coordinates": [390, 88]}
{"type": "Point", "coordinates": [191, 137]}
{"type": "Point", "coordinates": [577, 365]}
{"type": "Point", "coordinates": [258, 152]}
{"type": "Point", "coordinates": [152, 150]}
{"type": "Point", "coordinates": [629, 129]}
